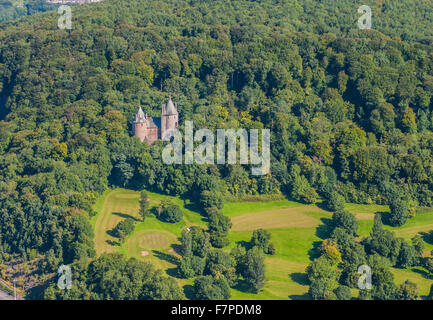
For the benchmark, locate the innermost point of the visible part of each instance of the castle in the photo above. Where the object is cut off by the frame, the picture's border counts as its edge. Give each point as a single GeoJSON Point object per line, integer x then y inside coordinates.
{"type": "Point", "coordinates": [149, 129]}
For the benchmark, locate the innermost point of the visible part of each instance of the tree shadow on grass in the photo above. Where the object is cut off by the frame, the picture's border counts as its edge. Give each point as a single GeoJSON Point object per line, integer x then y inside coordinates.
{"type": "Point", "coordinates": [313, 253]}
{"type": "Point", "coordinates": [155, 211]}
{"type": "Point", "coordinates": [304, 296]}
{"type": "Point", "coordinates": [37, 293]}
{"type": "Point", "coordinates": [166, 257]}
{"type": "Point", "coordinates": [188, 290]}
{"type": "Point", "coordinates": [192, 206]}
{"type": "Point", "coordinates": [323, 231]}
{"type": "Point", "coordinates": [322, 205]}
{"type": "Point", "coordinates": [427, 237]}
{"type": "Point", "coordinates": [172, 272]}
{"type": "Point", "coordinates": [111, 233]}
{"type": "Point", "coordinates": [245, 244]}
{"type": "Point", "coordinates": [242, 285]}
{"type": "Point", "coordinates": [126, 216]}
{"type": "Point", "coordinates": [177, 247]}
{"type": "Point", "coordinates": [113, 243]}
{"type": "Point", "coordinates": [385, 217]}
{"type": "Point", "coordinates": [422, 272]}
{"type": "Point", "coordinates": [299, 278]}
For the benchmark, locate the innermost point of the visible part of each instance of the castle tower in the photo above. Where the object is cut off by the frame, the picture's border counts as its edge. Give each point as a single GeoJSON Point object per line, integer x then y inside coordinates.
{"type": "Point", "coordinates": [152, 131]}
{"type": "Point", "coordinates": [169, 117]}
{"type": "Point", "coordinates": [139, 125]}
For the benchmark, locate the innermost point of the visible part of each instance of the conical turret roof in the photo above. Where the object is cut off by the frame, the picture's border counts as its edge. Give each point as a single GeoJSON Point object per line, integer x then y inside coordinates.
{"type": "Point", "coordinates": [170, 107]}
{"type": "Point", "coordinates": [140, 117]}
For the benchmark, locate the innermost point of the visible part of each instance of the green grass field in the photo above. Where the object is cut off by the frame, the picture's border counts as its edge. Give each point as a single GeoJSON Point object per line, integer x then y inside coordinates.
{"type": "Point", "coordinates": [296, 230]}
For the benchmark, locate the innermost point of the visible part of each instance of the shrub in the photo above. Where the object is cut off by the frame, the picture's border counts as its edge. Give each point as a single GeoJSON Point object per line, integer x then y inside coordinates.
{"type": "Point", "coordinates": [212, 199]}
{"type": "Point", "coordinates": [428, 264]}
{"type": "Point", "coordinates": [219, 226]}
{"type": "Point", "coordinates": [343, 293]}
{"type": "Point", "coordinates": [209, 288]}
{"type": "Point", "coordinates": [324, 270]}
{"type": "Point", "coordinates": [408, 291]}
{"type": "Point", "coordinates": [317, 290]}
{"type": "Point", "coordinates": [408, 256]}
{"type": "Point", "coordinates": [253, 269]}
{"type": "Point", "coordinates": [346, 220]}
{"type": "Point", "coordinates": [172, 214]}
{"type": "Point", "coordinates": [184, 269]}
{"type": "Point", "coordinates": [191, 266]}
{"type": "Point", "coordinates": [219, 241]}
{"type": "Point", "coordinates": [330, 250]}
{"type": "Point", "coordinates": [399, 212]}
{"type": "Point", "coordinates": [195, 242]}
{"type": "Point", "coordinates": [124, 228]}
{"type": "Point", "coordinates": [271, 249]}
{"type": "Point", "coordinates": [144, 204]}
{"type": "Point", "coordinates": [335, 202]}
{"type": "Point", "coordinates": [198, 264]}
{"type": "Point", "coordinates": [219, 262]}
{"type": "Point", "coordinates": [260, 238]}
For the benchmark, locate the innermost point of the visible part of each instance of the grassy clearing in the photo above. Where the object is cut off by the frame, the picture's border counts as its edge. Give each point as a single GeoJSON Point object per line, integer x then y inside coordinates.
{"type": "Point", "coordinates": [118, 204]}
{"type": "Point", "coordinates": [417, 275]}
{"type": "Point", "coordinates": [98, 206]}
{"type": "Point", "coordinates": [363, 209]}
{"type": "Point", "coordinates": [158, 239]}
{"type": "Point", "coordinates": [285, 280]}
{"type": "Point", "coordinates": [364, 213]}
{"type": "Point", "coordinates": [234, 209]}
{"type": "Point", "coordinates": [293, 238]}
{"type": "Point", "coordinates": [421, 222]}
{"type": "Point", "coordinates": [279, 218]}
{"type": "Point", "coordinates": [297, 230]}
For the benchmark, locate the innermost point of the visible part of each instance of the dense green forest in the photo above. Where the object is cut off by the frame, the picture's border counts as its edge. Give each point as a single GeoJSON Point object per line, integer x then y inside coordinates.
{"type": "Point", "coordinates": [10, 10]}
{"type": "Point", "coordinates": [350, 111]}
